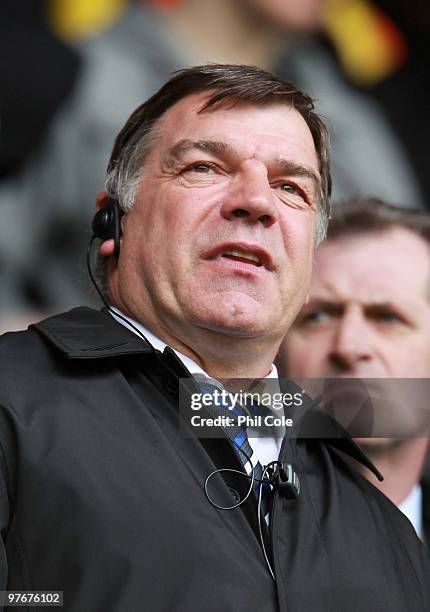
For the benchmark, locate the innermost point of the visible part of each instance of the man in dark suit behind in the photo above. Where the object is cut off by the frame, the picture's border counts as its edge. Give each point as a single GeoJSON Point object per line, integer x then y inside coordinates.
{"type": "Point", "coordinates": [368, 317]}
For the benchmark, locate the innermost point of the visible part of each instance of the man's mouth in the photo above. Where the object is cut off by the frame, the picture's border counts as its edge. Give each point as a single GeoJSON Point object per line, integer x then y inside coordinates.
{"type": "Point", "coordinates": [238, 255]}
{"type": "Point", "coordinates": [252, 254]}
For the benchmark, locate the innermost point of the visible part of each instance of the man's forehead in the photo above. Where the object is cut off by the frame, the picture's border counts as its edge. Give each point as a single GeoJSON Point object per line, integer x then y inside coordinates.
{"type": "Point", "coordinates": [267, 132]}
{"type": "Point", "coordinates": [197, 103]}
{"type": "Point", "coordinates": [188, 115]}
{"type": "Point", "coordinates": [373, 267]}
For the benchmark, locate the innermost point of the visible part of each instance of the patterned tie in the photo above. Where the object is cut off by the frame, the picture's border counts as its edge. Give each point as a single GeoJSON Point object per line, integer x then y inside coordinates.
{"type": "Point", "coordinates": [238, 435]}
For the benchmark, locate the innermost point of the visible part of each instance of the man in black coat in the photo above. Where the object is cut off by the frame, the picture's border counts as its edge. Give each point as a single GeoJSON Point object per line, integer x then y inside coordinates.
{"type": "Point", "coordinates": [217, 191]}
{"type": "Point", "coordinates": [368, 318]}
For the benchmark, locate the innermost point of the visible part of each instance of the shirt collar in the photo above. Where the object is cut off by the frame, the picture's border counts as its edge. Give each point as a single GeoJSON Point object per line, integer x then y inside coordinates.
{"type": "Point", "coordinates": [412, 506]}
{"type": "Point", "coordinates": [160, 345]}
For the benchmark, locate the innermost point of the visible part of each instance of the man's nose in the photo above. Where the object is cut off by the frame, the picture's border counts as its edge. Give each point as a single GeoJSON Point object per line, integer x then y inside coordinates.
{"type": "Point", "coordinates": [351, 342]}
{"type": "Point", "coordinates": [250, 197]}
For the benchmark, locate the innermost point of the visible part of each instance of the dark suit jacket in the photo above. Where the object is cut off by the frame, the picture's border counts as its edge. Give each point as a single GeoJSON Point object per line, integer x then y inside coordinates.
{"type": "Point", "coordinates": [102, 497]}
{"type": "Point", "coordinates": [425, 488]}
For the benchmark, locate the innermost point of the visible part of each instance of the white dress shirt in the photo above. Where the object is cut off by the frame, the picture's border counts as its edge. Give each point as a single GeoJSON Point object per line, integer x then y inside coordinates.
{"type": "Point", "coordinates": [412, 507]}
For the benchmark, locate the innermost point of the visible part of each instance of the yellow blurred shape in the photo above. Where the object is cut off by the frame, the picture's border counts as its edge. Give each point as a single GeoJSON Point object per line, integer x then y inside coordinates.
{"type": "Point", "coordinates": [369, 45]}
{"type": "Point", "coordinates": [76, 19]}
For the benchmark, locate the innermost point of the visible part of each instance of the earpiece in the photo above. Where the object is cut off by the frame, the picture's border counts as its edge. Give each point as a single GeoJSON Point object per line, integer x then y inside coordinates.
{"type": "Point", "coordinates": [106, 223]}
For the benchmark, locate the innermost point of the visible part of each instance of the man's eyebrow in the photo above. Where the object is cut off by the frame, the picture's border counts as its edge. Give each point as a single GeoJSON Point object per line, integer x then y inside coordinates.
{"type": "Point", "coordinates": [337, 305]}
{"type": "Point", "coordinates": [215, 147]}
{"type": "Point", "coordinates": [291, 168]}
{"type": "Point", "coordinates": [332, 306]}
{"type": "Point", "coordinates": [376, 306]}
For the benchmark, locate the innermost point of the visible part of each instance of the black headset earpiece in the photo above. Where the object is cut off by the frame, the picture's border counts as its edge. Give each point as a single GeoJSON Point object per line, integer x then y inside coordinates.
{"type": "Point", "coordinates": [106, 223]}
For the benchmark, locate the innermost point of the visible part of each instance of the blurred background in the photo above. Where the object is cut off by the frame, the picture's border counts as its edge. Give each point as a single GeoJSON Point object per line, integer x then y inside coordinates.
{"type": "Point", "coordinates": [73, 70]}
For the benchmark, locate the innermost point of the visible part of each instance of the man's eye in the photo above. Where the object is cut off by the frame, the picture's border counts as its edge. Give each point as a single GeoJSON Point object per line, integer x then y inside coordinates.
{"type": "Point", "coordinates": [316, 316]}
{"type": "Point", "coordinates": [201, 168]}
{"type": "Point", "coordinates": [386, 316]}
{"type": "Point", "coordinates": [292, 188]}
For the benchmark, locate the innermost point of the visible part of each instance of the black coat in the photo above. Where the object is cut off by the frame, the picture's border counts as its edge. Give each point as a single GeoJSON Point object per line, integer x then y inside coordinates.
{"type": "Point", "coordinates": [101, 496]}
{"type": "Point", "coordinates": [425, 488]}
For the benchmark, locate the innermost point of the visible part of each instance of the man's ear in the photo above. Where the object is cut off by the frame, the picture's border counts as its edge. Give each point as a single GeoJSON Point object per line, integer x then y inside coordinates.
{"type": "Point", "coordinates": [102, 198]}
{"type": "Point", "coordinates": [107, 247]}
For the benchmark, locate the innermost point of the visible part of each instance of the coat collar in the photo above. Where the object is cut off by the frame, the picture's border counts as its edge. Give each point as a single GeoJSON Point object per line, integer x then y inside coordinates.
{"type": "Point", "coordinates": [315, 423]}
{"type": "Point", "coordinates": [85, 333]}
{"type": "Point", "coordinates": [425, 488]}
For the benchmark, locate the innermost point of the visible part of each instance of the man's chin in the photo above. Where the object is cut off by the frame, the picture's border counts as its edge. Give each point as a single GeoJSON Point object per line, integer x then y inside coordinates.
{"type": "Point", "coordinates": [241, 325]}
{"type": "Point", "coordinates": [377, 446]}
{"type": "Point", "coordinates": [240, 328]}
{"type": "Point", "coordinates": [235, 315]}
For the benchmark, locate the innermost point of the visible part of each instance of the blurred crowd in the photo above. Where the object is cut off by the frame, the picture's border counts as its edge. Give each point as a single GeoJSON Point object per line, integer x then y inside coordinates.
{"type": "Point", "coordinates": [72, 71]}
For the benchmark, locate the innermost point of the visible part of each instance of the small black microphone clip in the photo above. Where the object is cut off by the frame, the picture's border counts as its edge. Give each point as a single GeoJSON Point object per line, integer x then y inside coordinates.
{"type": "Point", "coordinates": [285, 479]}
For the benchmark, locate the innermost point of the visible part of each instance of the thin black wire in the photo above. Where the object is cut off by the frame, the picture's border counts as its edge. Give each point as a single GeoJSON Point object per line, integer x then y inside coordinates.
{"type": "Point", "coordinates": [264, 479]}
{"type": "Point", "coordinates": [240, 502]}
{"type": "Point", "coordinates": [260, 518]}
{"type": "Point", "coordinates": [218, 471]}
{"type": "Point", "coordinates": [90, 272]}
{"type": "Point", "coordinates": [103, 299]}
